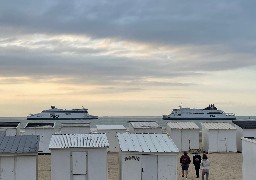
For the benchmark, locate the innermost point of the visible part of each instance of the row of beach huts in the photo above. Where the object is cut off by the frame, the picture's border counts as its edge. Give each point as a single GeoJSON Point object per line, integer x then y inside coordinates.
{"type": "Point", "coordinates": [146, 150]}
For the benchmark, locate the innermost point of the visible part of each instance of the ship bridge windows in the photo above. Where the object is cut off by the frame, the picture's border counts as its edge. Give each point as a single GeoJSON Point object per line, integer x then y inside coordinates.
{"type": "Point", "coordinates": [214, 113]}
{"type": "Point", "coordinates": [198, 113]}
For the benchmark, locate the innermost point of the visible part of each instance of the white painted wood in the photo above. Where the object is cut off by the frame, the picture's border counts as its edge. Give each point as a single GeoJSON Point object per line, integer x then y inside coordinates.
{"type": "Point", "coordinates": [149, 167]}
{"type": "Point", "coordinates": [60, 165]}
{"type": "Point", "coordinates": [26, 167]}
{"type": "Point", "coordinates": [249, 159]}
{"type": "Point", "coordinates": [131, 167]}
{"type": "Point", "coordinates": [79, 162]}
{"type": "Point", "coordinates": [7, 168]}
{"type": "Point", "coordinates": [97, 164]}
{"type": "Point", "coordinates": [167, 167]}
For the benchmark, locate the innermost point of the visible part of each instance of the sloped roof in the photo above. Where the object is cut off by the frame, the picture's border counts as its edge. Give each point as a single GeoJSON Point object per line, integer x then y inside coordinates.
{"type": "Point", "coordinates": [146, 143]}
{"type": "Point", "coordinates": [61, 141]}
{"type": "Point", "coordinates": [19, 144]}
{"type": "Point", "coordinates": [246, 124]}
{"type": "Point", "coordinates": [218, 125]}
{"type": "Point", "coordinates": [183, 125]}
{"type": "Point", "coordinates": [110, 127]}
{"type": "Point", "coordinates": [144, 124]}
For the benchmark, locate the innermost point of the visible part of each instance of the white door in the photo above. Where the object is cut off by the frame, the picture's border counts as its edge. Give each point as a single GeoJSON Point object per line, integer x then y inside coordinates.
{"type": "Point", "coordinates": [131, 167]}
{"type": "Point", "coordinates": [7, 168]}
{"type": "Point", "coordinates": [79, 165]}
{"type": "Point", "coordinates": [149, 167]}
{"type": "Point", "coordinates": [222, 141]}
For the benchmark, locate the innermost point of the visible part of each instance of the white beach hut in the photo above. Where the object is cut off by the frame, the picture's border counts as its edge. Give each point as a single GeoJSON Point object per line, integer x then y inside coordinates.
{"type": "Point", "coordinates": [147, 156]}
{"type": "Point", "coordinates": [244, 129]}
{"type": "Point", "coordinates": [184, 134]}
{"type": "Point", "coordinates": [18, 157]}
{"type": "Point", "coordinates": [144, 127]}
{"type": "Point", "coordinates": [218, 137]}
{"type": "Point", "coordinates": [79, 157]}
{"type": "Point", "coordinates": [75, 128]}
{"type": "Point", "coordinates": [111, 132]}
{"type": "Point", "coordinates": [249, 158]}
{"type": "Point", "coordinates": [44, 130]}
{"type": "Point", "coordinates": [9, 128]}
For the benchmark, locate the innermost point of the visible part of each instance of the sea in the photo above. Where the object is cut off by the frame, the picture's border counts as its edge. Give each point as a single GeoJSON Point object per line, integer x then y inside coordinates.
{"type": "Point", "coordinates": [121, 120]}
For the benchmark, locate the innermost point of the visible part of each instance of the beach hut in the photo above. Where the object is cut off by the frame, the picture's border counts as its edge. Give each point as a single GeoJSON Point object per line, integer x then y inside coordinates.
{"type": "Point", "coordinates": [147, 156]}
{"type": "Point", "coordinates": [44, 129]}
{"type": "Point", "coordinates": [75, 128]}
{"type": "Point", "coordinates": [249, 158]}
{"type": "Point", "coordinates": [218, 137]}
{"type": "Point", "coordinates": [184, 134]}
{"type": "Point", "coordinates": [18, 157]}
{"type": "Point", "coordinates": [9, 128]}
{"type": "Point", "coordinates": [144, 127]}
{"type": "Point", "coordinates": [244, 129]}
{"type": "Point", "coordinates": [79, 157]}
{"type": "Point", "coordinates": [111, 132]}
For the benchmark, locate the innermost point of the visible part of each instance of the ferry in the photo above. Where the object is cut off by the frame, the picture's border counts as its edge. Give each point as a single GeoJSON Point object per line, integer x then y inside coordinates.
{"type": "Point", "coordinates": [62, 114]}
{"type": "Point", "coordinates": [209, 113]}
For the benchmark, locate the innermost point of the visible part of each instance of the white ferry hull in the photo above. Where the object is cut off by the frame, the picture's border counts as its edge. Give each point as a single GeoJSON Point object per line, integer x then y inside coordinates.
{"type": "Point", "coordinates": [166, 117]}
{"type": "Point", "coordinates": [208, 113]}
{"type": "Point", "coordinates": [62, 114]}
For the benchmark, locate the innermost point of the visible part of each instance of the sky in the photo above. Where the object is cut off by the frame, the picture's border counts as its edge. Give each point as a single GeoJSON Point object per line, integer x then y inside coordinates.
{"type": "Point", "coordinates": [127, 58]}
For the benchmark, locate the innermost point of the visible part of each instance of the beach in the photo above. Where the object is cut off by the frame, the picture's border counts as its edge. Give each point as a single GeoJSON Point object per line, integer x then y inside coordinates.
{"type": "Point", "coordinates": [224, 166]}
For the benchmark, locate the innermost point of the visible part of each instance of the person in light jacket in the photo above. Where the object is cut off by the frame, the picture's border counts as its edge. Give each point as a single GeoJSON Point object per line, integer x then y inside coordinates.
{"type": "Point", "coordinates": [205, 165]}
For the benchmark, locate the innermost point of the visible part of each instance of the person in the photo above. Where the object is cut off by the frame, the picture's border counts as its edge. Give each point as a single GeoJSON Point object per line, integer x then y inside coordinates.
{"type": "Point", "coordinates": [184, 162]}
{"type": "Point", "coordinates": [197, 161]}
{"type": "Point", "coordinates": [205, 164]}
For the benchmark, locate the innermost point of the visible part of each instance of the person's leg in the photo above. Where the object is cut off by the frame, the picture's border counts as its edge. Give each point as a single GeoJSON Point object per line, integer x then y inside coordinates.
{"type": "Point", "coordinates": [186, 173]}
{"type": "Point", "coordinates": [197, 172]}
{"type": "Point", "coordinates": [182, 172]}
{"type": "Point", "coordinates": [207, 174]}
{"type": "Point", "coordinates": [202, 175]}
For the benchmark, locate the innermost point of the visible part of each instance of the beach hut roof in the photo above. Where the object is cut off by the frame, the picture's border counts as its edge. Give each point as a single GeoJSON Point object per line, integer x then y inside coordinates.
{"type": "Point", "coordinates": [252, 140]}
{"type": "Point", "coordinates": [218, 125]}
{"type": "Point", "coordinates": [183, 125]}
{"type": "Point", "coordinates": [246, 124]}
{"type": "Point", "coordinates": [78, 141]}
{"type": "Point", "coordinates": [109, 127]}
{"type": "Point", "coordinates": [146, 143]}
{"type": "Point", "coordinates": [144, 124]}
{"type": "Point", "coordinates": [75, 124]}
{"type": "Point", "coordinates": [19, 144]}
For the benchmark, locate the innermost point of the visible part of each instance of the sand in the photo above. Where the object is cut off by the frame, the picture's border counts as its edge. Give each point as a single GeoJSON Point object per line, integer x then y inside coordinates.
{"type": "Point", "coordinates": [224, 166]}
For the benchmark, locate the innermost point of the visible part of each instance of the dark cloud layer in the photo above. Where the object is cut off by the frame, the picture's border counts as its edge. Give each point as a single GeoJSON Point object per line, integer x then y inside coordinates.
{"type": "Point", "coordinates": [226, 26]}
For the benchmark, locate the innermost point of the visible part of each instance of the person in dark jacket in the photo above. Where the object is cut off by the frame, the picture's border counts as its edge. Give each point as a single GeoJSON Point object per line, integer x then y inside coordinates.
{"type": "Point", "coordinates": [184, 162]}
{"type": "Point", "coordinates": [197, 161]}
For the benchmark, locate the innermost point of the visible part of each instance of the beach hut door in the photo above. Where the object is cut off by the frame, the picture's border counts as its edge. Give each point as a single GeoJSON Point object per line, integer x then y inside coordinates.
{"type": "Point", "coordinates": [79, 165]}
{"type": "Point", "coordinates": [222, 141]}
{"type": "Point", "coordinates": [149, 167]}
{"type": "Point", "coordinates": [7, 168]}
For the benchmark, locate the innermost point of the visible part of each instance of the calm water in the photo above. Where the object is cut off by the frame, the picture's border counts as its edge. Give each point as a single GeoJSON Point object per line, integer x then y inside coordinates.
{"type": "Point", "coordinates": [121, 120]}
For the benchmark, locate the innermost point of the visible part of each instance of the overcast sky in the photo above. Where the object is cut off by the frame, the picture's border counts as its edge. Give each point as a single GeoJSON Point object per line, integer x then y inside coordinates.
{"type": "Point", "coordinates": [123, 57]}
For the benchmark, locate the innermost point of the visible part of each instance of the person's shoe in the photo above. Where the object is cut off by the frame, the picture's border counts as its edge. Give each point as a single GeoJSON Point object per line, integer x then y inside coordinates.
{"type": "Point", "coordinates": [182, 176]}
